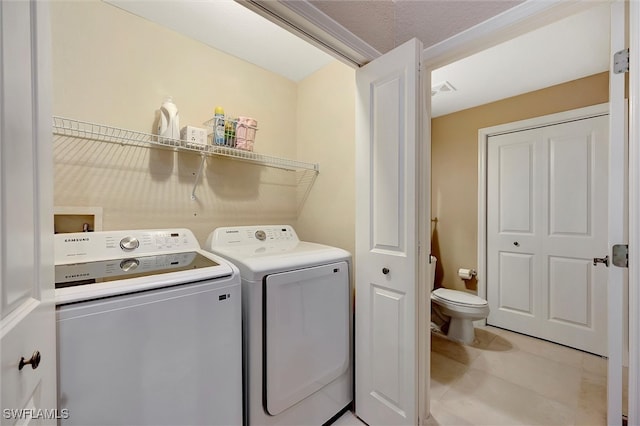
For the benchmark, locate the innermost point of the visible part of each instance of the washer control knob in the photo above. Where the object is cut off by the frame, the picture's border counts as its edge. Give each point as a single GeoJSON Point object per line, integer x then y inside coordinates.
{"type": "Point", "coordinates": [261, 235]}
{"type": "Point", "coordinates": [129, 264]}
{"type": "Point", "coordinates": [129, 243]}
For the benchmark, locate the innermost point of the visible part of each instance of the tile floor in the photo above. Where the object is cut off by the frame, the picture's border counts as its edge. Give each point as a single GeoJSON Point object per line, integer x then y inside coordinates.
{"type": "Point", "coordinates": [506, 378]}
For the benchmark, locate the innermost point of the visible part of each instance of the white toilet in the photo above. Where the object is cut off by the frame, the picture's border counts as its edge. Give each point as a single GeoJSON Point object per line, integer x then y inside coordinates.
{"type": "Point", "coordinates": [461, 307]}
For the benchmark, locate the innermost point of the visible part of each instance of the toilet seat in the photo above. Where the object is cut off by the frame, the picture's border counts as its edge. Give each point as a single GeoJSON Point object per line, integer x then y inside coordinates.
{"type": "Point", "coordinates": [458, 298]}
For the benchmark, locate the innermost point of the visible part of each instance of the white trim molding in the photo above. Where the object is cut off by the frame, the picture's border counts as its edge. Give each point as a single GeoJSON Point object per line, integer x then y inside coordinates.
{"type": "Point", "coordinates": [518, 20]}
{"type": "Point", "coordinates": [634, 213]}
{"type": "Point", "coordinates": [308, 22]}
{"type": "Point", "coordinates": [617, 227]}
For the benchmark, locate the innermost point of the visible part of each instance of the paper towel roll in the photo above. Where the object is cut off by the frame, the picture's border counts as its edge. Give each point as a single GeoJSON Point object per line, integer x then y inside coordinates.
{"type": "Point", "coordinates": [466, 274]}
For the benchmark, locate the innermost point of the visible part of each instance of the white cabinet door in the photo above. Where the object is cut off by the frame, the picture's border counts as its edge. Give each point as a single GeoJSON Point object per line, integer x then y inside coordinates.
{"type": "Point", "coordinates": [27, 316]}
{"type": "Point", "coordinates": [547, 220]}
{"type": "Point", "coordinates": [387, 185]}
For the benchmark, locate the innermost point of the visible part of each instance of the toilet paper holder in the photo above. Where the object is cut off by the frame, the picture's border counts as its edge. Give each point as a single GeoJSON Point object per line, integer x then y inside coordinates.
{"type": "Point", "coordinates": [467, 274]}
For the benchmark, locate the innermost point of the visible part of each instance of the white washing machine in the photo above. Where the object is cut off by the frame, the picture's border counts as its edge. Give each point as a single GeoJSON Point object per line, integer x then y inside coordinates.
{"type": "Point", "coordinates": [296, 307]}
{"type": "Point", "coordinates": [149, 330]}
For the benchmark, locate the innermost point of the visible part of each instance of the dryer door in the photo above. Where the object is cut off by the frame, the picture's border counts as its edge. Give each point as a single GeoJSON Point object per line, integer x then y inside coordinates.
{"type": "Point", "coordinates": [306, 332]}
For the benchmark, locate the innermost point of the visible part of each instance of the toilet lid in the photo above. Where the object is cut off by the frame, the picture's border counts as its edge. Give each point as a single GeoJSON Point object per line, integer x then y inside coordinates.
{"type": "Point", "coordinates": [458, 297]}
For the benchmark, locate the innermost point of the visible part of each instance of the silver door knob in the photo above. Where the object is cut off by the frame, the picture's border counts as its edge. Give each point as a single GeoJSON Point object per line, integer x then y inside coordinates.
{"type": "Point", "coordinates": [385, 271]}
{"type": "Point", "coordinates": [34, 361]}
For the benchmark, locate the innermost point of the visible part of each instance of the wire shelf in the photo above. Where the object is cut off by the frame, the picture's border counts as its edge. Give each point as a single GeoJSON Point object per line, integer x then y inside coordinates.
{"type": "Point", "coordinates": [99, 132]}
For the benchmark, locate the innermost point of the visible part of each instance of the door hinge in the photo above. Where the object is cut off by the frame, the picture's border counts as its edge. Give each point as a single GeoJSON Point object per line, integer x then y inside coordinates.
{"type": "Point", "coordinates": [620, 255]}
{"type": "Point", "coordinates": [621, 62]}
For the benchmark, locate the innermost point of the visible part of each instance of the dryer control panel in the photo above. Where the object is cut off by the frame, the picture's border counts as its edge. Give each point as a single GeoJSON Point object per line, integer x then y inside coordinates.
{"type": "Point", "coordinates": [252, 235]}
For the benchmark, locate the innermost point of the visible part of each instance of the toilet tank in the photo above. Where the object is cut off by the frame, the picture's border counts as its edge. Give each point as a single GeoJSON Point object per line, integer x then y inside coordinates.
{"type": "Point", "coordinates": [432, 272]}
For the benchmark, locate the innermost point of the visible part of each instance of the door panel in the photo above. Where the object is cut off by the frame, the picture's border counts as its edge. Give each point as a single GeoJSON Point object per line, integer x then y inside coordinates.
{"type": "Point", "coordinates": [547, 206]}
{"type": "Point", "coordinates": [570, 296]}
{"type": "Point", "coordinates": [513, 221]}
{"type": "Point", "coordinates": [386, 164]}
{"type": "Point", "coordinates": [18, 128]}
{"type": "Point", "coordinates": [388, 131]}
{"type": "Point", "coordinates": [387, 316]}
{"type": "Point", "coordinates": [27, 315]}
{"type": "Point", "coordinates": [306, 332]}
{"type": "Point", "coordinates": [516, 188]}
{"type": "Point", "coordinates": [517, 270]}
{"type": "Point", "coordinates": [570, 185]}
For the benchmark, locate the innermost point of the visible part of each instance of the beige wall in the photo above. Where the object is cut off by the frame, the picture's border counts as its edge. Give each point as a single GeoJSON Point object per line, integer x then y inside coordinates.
{"type": "Point", "coordinates": [113, 68]}
{"type": "Point", "coordinates": [326, 133]}
{"type": "Point", "coordinates": [455, 166]}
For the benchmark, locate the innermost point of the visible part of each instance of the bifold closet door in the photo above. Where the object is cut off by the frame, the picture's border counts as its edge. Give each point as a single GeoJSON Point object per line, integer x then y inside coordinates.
{"type": "Point", "coordinates": [546, 222]}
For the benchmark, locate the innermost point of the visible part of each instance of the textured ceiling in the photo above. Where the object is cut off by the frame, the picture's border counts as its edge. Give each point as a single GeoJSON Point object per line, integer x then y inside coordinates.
{"type": "Point", "coordinates": [577, 46]}
{"type": "Point", "coordinates": [385, 24]}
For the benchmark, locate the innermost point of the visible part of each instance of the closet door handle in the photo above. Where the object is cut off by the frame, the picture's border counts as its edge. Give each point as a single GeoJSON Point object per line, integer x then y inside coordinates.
{"type": "Point", "coordinates": [517, 244]}
{"type": "Point", "coordinates": [385, 271]}
{"type": "Point", "coordinates": [34, 361]}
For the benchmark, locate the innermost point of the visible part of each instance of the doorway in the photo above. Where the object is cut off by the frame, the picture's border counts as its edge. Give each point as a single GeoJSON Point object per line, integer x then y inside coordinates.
{"type": "Point", "coordinates": [462, 162]}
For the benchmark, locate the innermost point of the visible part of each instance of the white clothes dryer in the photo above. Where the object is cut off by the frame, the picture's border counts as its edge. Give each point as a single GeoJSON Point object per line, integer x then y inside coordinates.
{"type": "Point", "coordinates": [297, 322]}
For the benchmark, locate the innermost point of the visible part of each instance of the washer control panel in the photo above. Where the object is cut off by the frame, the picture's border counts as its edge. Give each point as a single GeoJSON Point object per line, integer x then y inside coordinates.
{"type": "Point", "coordinates": [252, 235]}
{"type": "Point", "coordinates": [93, 246]}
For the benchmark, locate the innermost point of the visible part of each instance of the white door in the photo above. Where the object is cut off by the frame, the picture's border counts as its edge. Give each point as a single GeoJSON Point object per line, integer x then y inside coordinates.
{"type": "Point", "coordinates": [388, 153]}
{"type": "Point", "coordinates": [546, 222]}
{"type": "Point", "coordinates": [27, 316]}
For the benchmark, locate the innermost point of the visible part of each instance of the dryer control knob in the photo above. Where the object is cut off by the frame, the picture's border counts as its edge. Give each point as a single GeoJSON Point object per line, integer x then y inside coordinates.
{"type": "Point", "coordinates": [129, 243]}
{"type": "Point", "coordinates": [261, 235]}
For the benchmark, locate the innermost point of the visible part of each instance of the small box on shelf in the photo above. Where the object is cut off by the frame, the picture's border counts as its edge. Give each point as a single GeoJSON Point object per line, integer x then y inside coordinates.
{"type": "Point", "coordinates": [195, 137]}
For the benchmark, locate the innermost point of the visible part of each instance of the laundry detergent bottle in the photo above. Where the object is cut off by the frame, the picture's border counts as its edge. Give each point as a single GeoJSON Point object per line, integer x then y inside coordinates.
{"type": "Point", "coordinates": [169, 124]}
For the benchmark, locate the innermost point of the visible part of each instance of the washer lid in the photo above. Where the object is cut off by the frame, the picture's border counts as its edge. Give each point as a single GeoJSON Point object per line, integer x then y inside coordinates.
{"type": "Point", "coordinates": [458, 297]}
{"type": "Point", "coordinates": [94, 280]}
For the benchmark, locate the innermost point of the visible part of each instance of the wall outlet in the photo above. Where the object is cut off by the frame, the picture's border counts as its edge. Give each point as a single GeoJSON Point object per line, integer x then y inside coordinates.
{"type": "Point", "coordinates": [194, 135]}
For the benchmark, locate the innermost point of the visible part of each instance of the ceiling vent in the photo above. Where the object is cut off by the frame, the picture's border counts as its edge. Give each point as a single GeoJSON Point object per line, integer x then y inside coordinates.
{"type": "Point", "coordinates": [444, 87]}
